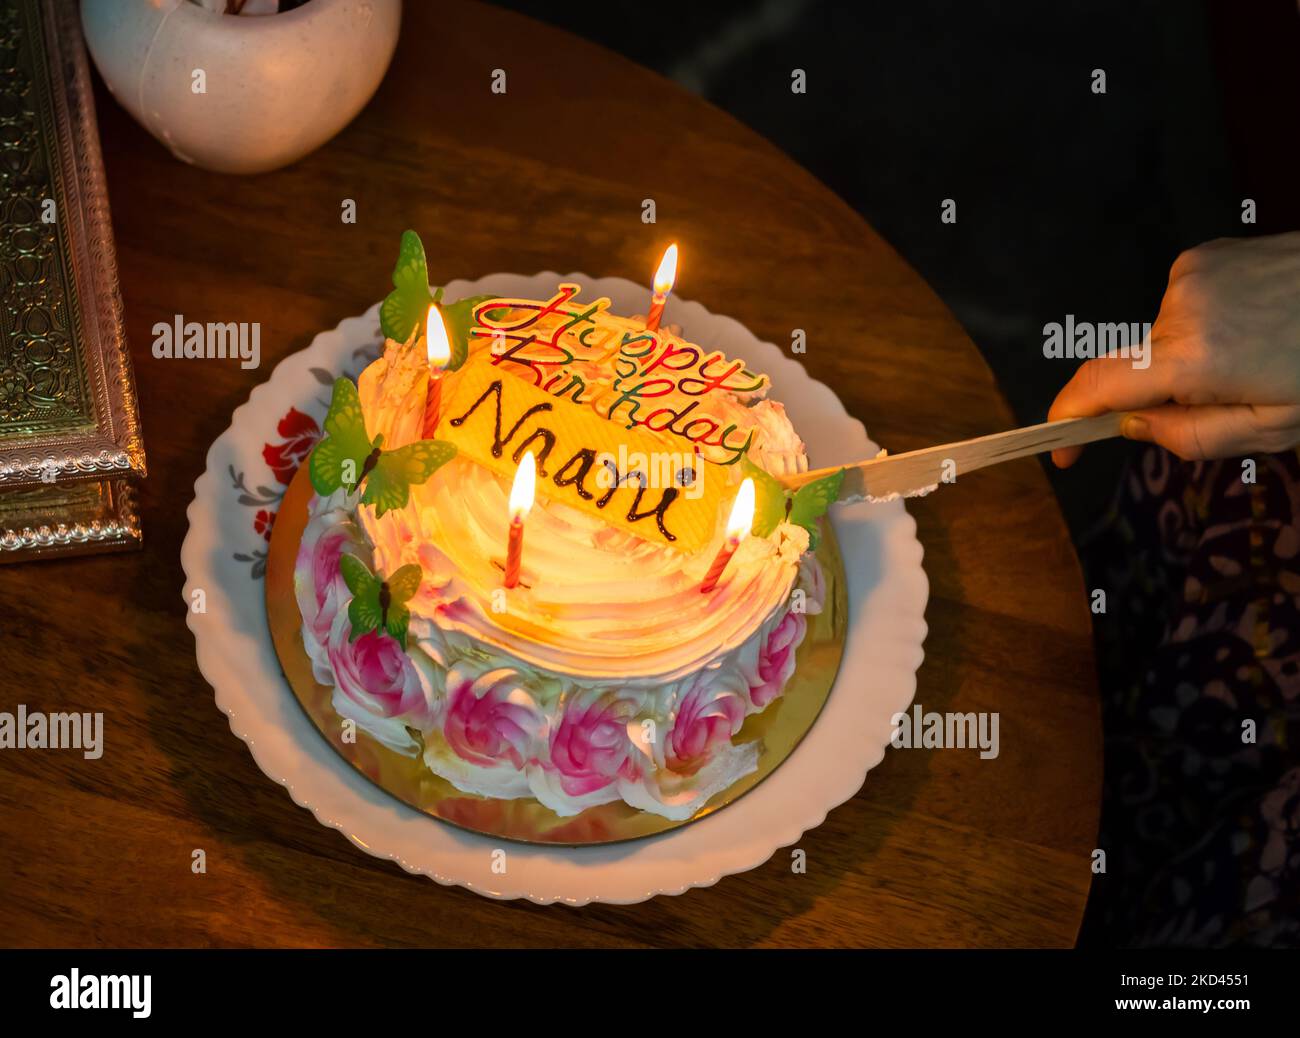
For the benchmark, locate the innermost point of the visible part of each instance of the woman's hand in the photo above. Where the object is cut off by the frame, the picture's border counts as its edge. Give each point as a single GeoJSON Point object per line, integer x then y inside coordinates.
{"type": "Point", "coordinates": [1224, 377]}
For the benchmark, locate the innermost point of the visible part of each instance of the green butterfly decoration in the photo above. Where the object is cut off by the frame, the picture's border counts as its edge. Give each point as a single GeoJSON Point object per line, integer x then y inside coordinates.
{"type": "Point", "coordinates": [773, 502]}
{"type": "Point", "coordinates": [379, 603]}
{"type": "Point", "coordinates": [408, 303]}
{"type": "Point", "coordinates": [407, 306]}
{"type": "Point", "coordinates": [810, 501]}
{"type": "Point", "coordinates": [348, 451]}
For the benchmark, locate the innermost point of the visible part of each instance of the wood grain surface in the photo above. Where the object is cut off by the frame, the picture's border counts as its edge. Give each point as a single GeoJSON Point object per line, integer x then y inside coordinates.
{"type": "Point", "coordinates": [939, 848]}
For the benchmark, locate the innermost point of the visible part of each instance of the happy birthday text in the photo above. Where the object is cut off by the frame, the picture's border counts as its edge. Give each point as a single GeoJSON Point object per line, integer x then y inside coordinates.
{"type": "Point", "coordinates": [659, 382]}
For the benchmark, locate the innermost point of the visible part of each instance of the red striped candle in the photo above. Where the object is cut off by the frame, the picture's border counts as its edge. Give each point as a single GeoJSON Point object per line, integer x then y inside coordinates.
{"type": "Point", "coordinates": [665, 276]}
{"type": "Point", "coordinates": [741, 519]}
{"type": "Point", "coordinates": [521, 500]}
{"type": "Point", "coordinates": [438, 349]}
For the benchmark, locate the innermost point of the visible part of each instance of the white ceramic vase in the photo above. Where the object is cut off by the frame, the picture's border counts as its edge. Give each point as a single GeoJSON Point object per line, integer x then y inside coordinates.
{"type": "Point", "coordinates": [242, 94]}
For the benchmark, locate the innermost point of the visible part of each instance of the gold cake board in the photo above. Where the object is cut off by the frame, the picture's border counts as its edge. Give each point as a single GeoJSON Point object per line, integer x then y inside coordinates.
{"type": "Point", "coordinates": [778, 729]}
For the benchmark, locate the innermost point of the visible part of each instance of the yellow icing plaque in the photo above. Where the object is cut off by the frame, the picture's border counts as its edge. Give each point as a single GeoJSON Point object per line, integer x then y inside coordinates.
{"type": "Point", "coordinates": [631, 478]}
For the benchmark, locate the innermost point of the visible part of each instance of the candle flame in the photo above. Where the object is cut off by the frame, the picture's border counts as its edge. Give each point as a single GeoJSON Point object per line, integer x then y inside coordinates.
{"type": "Point", "coordinates": [435, 338]}
{"type": "Point", "coordinates": [521, 494]}
{"type": "Point", "coordinates": [742, 512]}
{"type": "Point", "coordinates": [666, 275]}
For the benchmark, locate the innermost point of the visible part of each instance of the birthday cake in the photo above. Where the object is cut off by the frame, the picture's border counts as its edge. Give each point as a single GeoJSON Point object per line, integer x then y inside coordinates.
{"type": "Point", "coordinates": [605, 641]}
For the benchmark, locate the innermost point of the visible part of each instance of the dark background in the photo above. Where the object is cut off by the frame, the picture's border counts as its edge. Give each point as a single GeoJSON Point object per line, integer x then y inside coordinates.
{"type": "Point", "coordinates": [1068, 202]}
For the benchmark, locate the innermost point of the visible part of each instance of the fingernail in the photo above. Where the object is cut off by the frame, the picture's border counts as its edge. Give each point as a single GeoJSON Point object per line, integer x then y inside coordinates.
{"type": "Point", "coordinates": [1136, 428]}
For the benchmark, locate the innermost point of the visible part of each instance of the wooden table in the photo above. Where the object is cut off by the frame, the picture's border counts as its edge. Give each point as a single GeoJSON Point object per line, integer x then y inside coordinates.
{"type": "Point", "coordinates": [939, 848]}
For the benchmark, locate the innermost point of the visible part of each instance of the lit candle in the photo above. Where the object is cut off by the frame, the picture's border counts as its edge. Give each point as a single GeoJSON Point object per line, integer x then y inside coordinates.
{"type": "Point", "coordinates": [742, 517]}
{"type": "Point", "coordinates": [664, 278]}
{"type": "Point", "coordinates": [438, 347]}
{"type": "Point", "coordinates": [521, 500]}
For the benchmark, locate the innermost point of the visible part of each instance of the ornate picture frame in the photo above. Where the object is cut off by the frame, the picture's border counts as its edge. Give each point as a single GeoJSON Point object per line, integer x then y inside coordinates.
{"type": "Point", "coordinates": [70, 443]}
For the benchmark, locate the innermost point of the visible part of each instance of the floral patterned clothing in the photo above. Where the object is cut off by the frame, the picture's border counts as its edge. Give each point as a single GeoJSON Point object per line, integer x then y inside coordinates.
{"type": "Point", "coordinates": [1199, 654]}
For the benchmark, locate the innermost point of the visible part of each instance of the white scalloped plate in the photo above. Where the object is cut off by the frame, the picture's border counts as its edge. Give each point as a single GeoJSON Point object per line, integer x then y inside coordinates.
{"type": "Point", "coordinates": [887, 590]}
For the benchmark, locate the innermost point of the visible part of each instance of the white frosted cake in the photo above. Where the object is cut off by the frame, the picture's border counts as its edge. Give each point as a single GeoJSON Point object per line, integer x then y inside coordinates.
{"type": "Point", "coordinates": [606, 673]}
